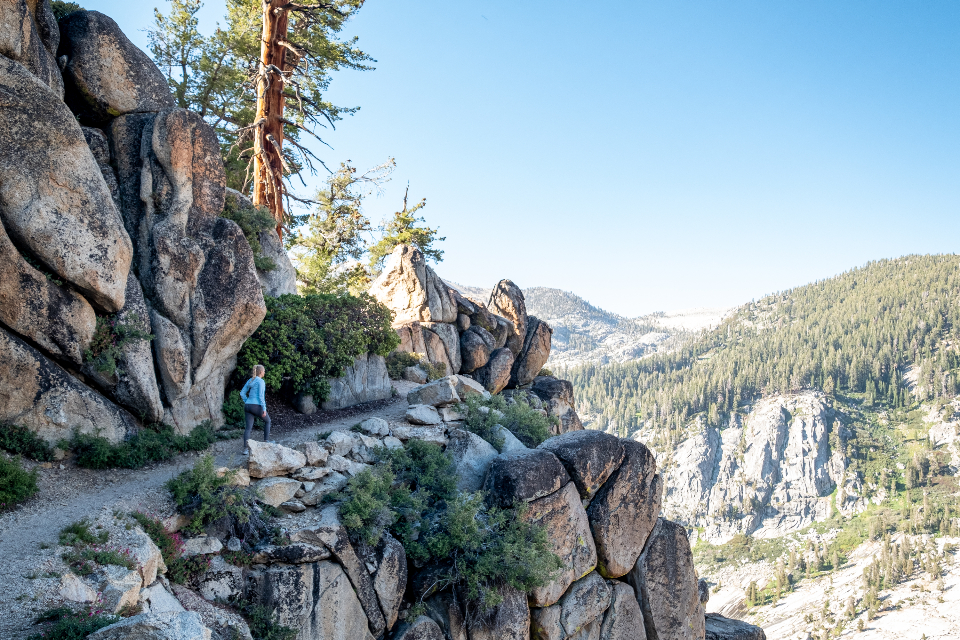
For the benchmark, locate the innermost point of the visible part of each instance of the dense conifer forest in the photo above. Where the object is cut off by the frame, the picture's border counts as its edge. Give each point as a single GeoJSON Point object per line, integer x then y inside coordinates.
{"type": "Point", "coordinates": [860, 332]}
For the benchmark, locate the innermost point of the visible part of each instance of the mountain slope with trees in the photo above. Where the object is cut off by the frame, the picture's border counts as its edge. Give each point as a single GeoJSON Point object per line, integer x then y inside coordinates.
{"type": "Point", "coordinates": [856, 333]}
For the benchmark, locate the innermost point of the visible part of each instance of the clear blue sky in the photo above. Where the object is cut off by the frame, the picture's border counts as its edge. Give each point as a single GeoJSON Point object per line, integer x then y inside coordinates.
{"type": "Point", "coordinates": [656, 155]}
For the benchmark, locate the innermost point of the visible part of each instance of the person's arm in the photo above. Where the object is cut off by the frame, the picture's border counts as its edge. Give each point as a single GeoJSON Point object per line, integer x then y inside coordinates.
{"type": "Point", "coordinates": [262, 393]}
{"type": "Point", "coordinates": [244, 391]}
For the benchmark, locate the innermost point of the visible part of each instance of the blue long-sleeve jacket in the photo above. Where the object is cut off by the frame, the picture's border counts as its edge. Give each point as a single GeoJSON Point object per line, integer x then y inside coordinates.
{"type": "Point", "coordinates": [253, 392]}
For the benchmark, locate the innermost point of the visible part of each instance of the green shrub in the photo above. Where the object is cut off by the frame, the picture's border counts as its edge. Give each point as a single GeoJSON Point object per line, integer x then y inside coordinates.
{"type": "Point", "coordinates": [84, 560]}
{"type": "Point", "coordinates": [545, 372]}
{"type": "Point", "coordinates": [397, 494]}
{"type": "Point", "coordinates": [309, 339]}
{"type": "Point", "coordinates": [527, 423]}
{"type": "Point", "coordinates": [412, 493]}
{"type": "Point", "coordinates": [151, 444]}
{"type": "Point", "coordinates": [68, 624]}
{"type": "Point", "coordinates": [233, 410]}
{"type": "Point", "coordinates": [79, 534]}
{"type": "Point", "coordinates": [252, 220]}
{"type": "Point", "coordinates": [366, 510]}
{"type": "Point", "coordinates": [488, 548]}
{"type": "Point", "coordinates": [16, 484]}
{"type": "Point", "coordinates": [520, 418]}
{"type": "Point", "coordinates": [397, 361]}
{"type": "Point", "coordinates": [435, 370]}
{"type": "Point", "coordinates": [22, 441]}
{"type": "Point", "coordinates": [482, 416]}
{"type": "Point", "coordinates": [263, 622]}
{"type": "Point", "coordinates": [206, 497]}
{"type": "Point", "coordinates": [109, 339]}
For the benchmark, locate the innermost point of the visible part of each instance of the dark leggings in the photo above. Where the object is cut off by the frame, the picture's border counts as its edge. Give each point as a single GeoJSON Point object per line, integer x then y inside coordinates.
{"type": "Point", "coordinates": [251, 412]}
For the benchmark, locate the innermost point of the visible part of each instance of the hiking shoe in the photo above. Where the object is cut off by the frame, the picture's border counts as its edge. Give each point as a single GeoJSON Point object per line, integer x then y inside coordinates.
{"type": "Point", "coordinates": [246, 452]}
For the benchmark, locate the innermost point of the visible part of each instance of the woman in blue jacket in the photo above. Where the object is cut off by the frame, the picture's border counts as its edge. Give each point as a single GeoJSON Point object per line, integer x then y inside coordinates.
{"type": "Point", "coordinates": [255, 404]}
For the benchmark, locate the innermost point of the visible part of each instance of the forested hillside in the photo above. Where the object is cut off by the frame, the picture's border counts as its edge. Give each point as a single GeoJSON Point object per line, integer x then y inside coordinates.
{"type": "Point", "coordinates": [857, 332]}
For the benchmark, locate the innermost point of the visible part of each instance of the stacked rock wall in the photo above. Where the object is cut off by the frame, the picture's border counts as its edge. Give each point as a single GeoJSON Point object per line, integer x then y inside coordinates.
{"type": "Point", "coordinates": [495, 343]}
{"type": "Point", "coordinates": [110, 199]}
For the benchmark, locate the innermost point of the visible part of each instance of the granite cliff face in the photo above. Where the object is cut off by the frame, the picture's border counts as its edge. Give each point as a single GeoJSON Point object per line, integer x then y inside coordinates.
{"type": "Point", "coordinates": [110, 204]}
{"type": "Point", "coordinates": [770, 473]}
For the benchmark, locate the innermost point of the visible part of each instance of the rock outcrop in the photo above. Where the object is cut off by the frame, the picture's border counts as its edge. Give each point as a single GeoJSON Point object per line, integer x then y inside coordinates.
{"type": "Point", "coordinates": [115, 224]}
{"type": "Point", "coordinates": [776, 469]}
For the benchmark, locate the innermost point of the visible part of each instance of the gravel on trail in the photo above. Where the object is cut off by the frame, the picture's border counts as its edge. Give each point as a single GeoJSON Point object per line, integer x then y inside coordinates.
{"type": "Point", "coordinates": [30, 563]}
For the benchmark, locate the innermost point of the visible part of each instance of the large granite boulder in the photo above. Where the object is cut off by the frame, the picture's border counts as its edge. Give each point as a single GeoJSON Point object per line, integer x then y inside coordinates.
{"type": "Point", "coordinates": [366, 380]}
{"type": "Point", "coordinates": [167, 625]}
{"type": "Point", "coordinates": [721, 628]}
{"type": "Point", "coordinates": [134, 385]}
{"type": "Point", "coordinates": [439, 393]}
{"type": "Point", "coordinates": [506, 299]}
{"type": "Point", "coordinates": [623, 620]}
{"type": "Point", "coordinates": [495, 375]}
{"type": "Point", "coordinates": [36, 393]}
{"type": "Point", "coordinates": [510, 620]}
{"type": "Point", "coordinates": [472, 456]}
{"type": "Point", "coordinates": [666, 585]}
{"type": "Point", "coordinates": [317, 599]}
{"type": "Point", "coordinates": [524, 475]}
{"type": "Point", "coordinates": [282, 278]}
{"type": "Point", "coordinates": [55, 318]}
{"type": "Point", "coordinates": [590, 457]}
{"type": "Point", "coordinates": [534, 354]}
{"type": "Point", "coordinates": [54, 202]}
{"type": "Point", "coordinates": [106, 75]}
{"type": "Point", "coordinates": [625, 509]}
{"type": "Point", "coordinates": [268, 459]}
{"type": "Point", "coordinates": [423, 628]}
{"type": "Point", "coordinates": [451, 341]}
{"type": "Point", "coordinates": [557, 396]}
{"type": "Point", "coordinates": [29, 35]}
{"type": "Point", "coordinates": [584, 603]}
{"type": "Point", "coordinates": [330, 533]}
{"type": "Point", "coordinates": [196, 268]}
{"type": "Point", "coordinates": [390, 577]}
{"type": "Point", "coordinates": [412, 290]}
{"type": "Point", "coordinates": [474, 350]}
{"type": "Point", "coordinates": [563, 515]}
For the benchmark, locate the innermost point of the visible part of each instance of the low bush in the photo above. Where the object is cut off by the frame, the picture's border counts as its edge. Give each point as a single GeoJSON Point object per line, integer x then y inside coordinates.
{"type": "Point", "coordinates": [487, 548]}
{"type": "Point", "coordinates": [79, 533]}
{"type": "Point", "coordinates": [518, 416]}
{"type": "Point", "coordinates": [397, 361]}
{"type": "Point", "coordinates": [252, 220]}
{"type": "Point", "coordinates": [84, 560]}
{"type": "Point", "coordinates": [308, 339]}
{"type": "Point", "coordinates": [263, 622]}
{"type": "Point", "coordinates": [109, 339]}
{"type": "Point", "coordinates": [16, 484]}
{"type": "Point", "coordinates": [23, 442]}
{"type": "Point", "coordinates": [64, 623]}
{"type": "Point", "coordinates": [412, 494]}
{"type": "Point", "coordinates": [206, 497]}
{"type": "Point", "coordinates": [150, 444]}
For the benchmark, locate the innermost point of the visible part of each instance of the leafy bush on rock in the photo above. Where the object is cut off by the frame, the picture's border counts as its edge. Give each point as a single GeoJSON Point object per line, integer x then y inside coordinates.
{"type": "Point", "coordinates": [22, 441]}
{"type": "Point", "coordinates": [207, 497]}
{"type": "Point", "coordinates": [412, 494]}
{"type": "Point", "coordinates": [16, 484]}
{"type": "Point", "coordinates": [309, 339]}
{"type": "Point", "coordinates": [151, 444]}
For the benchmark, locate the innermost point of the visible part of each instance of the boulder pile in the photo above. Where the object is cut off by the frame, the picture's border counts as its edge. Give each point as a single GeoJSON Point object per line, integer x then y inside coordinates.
{"type": "Point", "coordinates": [495, 343]}
{"type": "Point", "coordinates": [110, 204]}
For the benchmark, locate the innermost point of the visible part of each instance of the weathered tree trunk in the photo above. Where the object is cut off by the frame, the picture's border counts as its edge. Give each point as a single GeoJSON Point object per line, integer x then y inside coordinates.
{"type": "Point", "coordinates": [268, 140]}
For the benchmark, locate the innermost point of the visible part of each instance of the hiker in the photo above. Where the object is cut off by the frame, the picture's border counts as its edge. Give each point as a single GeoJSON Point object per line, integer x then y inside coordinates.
{"type": "Point", "coordinates": [255, 405]}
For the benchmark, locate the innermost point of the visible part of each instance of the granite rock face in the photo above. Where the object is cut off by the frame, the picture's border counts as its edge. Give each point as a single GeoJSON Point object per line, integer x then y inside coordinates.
{"type": "Point", "coordinates": [413, 290]}
{"type": "Point", "coordinates": [666, 585]}
{"type": "Point", "coordinates": [776, 467]}
{"type": "Point", "coordinates": [54, 202]}
{"type": "Point", "coordinates": [29, 35]}
{"type": "Point", "coordinates": [105, 74]}
{"type": "Point", "coordinates": [42, 396]}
